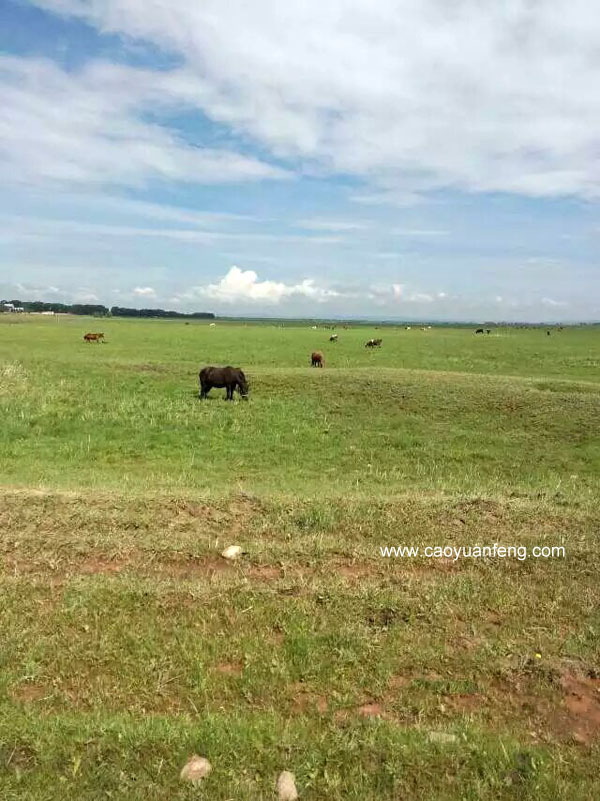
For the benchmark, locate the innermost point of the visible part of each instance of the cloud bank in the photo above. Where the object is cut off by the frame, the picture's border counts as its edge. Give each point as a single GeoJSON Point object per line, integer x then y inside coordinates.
{"type": "Point", "coordinates": [89, 129]}
{"type": "Point", "coordinates": [243, 285]}
{"type": "Point", "coordinates": [411, 95]}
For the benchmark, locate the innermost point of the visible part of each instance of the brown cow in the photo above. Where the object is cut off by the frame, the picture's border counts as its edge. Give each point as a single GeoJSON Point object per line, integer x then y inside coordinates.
{"type": "Point", "coordinates": [316, 359]}
{"type": "Point", "coordinates": [373, 343]}
{"type": "Point", "coordinates": [93, 337]}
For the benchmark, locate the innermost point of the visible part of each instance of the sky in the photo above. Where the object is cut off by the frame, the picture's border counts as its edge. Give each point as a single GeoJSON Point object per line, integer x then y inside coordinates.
{"type": "Point", "coordinates": [392, 159]}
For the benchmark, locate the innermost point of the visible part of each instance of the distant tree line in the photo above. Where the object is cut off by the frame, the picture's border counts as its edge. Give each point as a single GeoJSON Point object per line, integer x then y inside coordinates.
{"type": "Point", "coordinates": [121, 311]}
{"type": "Point", "coordinates": [64, 308]}
{"type": "Point", "coordinates": [98, 310]}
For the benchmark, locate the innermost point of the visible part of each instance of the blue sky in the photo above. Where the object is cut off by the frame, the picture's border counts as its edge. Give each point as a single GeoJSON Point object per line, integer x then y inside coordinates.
{"type": "Point", "coordinates": [400, 159]}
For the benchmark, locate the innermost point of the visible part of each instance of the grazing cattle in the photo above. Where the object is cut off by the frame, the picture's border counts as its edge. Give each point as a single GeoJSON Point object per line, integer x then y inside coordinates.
{"type": "Point", "coordinates": [333, 338]}
{"type": "Point", "coordinates": [231, 378]}
{"type": "Point", "coordinates": [479, 331]}
{"type": "Point", "coordinates": [407, 327]}
{"type": "Point", "coordinates": [93, 337]}
{"type": "Point", "coordinates": [487, 331]}
{"type": "Point", "coordinates": [373, 343]}
{"type": "Point", "coordinates": [548, 333]}
{"type": "Point", "coordinates": [316, 359]}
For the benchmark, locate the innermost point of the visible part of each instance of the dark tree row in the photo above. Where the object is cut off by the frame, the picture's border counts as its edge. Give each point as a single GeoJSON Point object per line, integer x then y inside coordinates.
{"type": "Point", "coordinates": [120, 311]}
{"type": "Point", "coordinates": [98, 310]}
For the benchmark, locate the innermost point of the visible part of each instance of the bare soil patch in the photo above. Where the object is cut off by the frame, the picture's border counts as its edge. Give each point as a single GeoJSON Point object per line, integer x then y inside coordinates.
{"type": "Point", "coordinates": [28, 693]}
{"type": "Point", "coordinates": [230, 668]}
{"type": "Point", "coordinates": [582, 704]}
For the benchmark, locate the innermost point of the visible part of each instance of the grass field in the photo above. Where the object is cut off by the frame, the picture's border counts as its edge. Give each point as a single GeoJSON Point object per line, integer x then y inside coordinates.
{"type": "Point", "coordinates": [128, 643]}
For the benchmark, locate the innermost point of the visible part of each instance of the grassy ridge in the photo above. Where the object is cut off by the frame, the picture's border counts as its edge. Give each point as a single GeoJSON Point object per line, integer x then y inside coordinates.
{"type": "Point", "coordinates": [128, 643]}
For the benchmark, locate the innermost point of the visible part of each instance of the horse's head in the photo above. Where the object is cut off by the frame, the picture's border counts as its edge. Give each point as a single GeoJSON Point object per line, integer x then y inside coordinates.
{"type": "Point", "coordinates": [243, 387]}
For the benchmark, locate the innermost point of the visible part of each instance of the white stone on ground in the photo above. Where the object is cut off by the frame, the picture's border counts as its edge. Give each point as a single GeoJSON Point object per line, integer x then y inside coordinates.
{"type": "Point", "coordinates": [231, 552]}
{"type": "Point", "coordinates": [195, 769]}
{"type": "Point", "coordinates": [286, 786]}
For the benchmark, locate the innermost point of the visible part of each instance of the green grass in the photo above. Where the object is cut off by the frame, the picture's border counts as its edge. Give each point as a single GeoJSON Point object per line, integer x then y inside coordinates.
{"type": "Point", "coordinates": [125, 415]}
{"type": "Point", "coordinates": [127, 643]}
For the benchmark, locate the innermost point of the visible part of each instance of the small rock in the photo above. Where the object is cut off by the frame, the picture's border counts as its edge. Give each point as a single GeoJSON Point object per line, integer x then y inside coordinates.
{"type": "Point", "coordinates": [195, 769]}
{"type": "Point", "coordinates": [442, 737]}
{"type": "Point", "coordinates": [286, 786]}
{"type": "Point", "coordinates": [232, 552]}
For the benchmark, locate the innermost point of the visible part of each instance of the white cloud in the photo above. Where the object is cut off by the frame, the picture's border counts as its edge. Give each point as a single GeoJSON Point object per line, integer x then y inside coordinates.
{"type": "Point", "coordinates": [331, 225]}
{"type": "Point", "coordinates": [243, 285]}
{"type": "Point", "coordinates": [24, 227]}
{"type": "Point", "coordinates": [420, 297]}
{"type": "Point", "coordinates": [413, 95]}
{"type": "Point", "coordinates": [84, 295]}
{"type": "Point", "coordinates": [32, 289]}
{"type": "Point", "coordinates": [551, 302]}
{"type": "Point", "coordinates": [87, 128]}
{"type": "Point", "coordinates": [388, 198]}
{"type": "Point", "coordinates": [399, 293]}
{"type": "Point", "coordinates": [100, 203]}
{"type": "Point", "coordinates": [418, 232]}
{"type": "Point", "coordinates": [144, 291]}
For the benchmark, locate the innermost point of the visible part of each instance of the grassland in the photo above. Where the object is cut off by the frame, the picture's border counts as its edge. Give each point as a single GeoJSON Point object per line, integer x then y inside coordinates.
{"type": "Point", "coordinates": [128, 643]}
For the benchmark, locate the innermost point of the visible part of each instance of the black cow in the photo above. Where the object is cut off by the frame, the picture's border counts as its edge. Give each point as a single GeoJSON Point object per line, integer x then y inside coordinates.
{"type": "Point", "coordinates": [479, 331]}
{"type": "Point", "coordinates": [231, 378]}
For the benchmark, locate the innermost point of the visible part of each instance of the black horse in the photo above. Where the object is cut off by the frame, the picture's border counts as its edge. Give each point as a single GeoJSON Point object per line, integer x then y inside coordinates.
{"type": "Point", "coordinates": [231, 378]}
